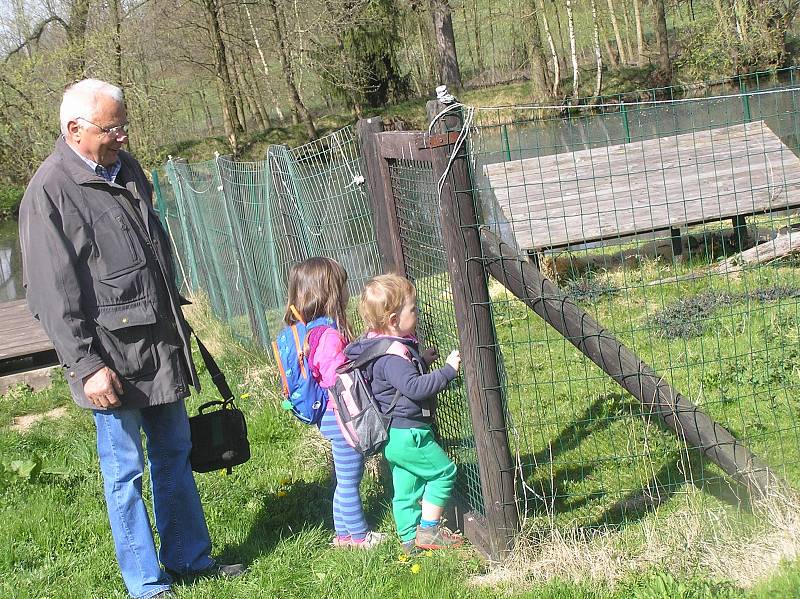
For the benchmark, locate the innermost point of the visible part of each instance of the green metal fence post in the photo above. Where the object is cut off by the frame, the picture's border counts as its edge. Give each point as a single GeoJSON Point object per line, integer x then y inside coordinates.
{"type": "Point", "coordinates": [745, 100]}
{"type": "Point", "coordinates": [183, 220]}
{"type": "Point", "coordinates": [625, 124]}
{"type": "Point", "coordinates": [255, 308]}
{"type": "Point", "coordinates": [506, 144]}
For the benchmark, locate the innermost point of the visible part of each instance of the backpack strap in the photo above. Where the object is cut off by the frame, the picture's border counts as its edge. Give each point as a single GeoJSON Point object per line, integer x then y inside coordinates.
{"type": "Point", "coordinates": [299, 347]}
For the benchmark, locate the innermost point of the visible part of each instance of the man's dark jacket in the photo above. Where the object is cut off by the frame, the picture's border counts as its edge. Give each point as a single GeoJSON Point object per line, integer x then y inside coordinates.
{"type": "Point", "coordinates": [99, 276]}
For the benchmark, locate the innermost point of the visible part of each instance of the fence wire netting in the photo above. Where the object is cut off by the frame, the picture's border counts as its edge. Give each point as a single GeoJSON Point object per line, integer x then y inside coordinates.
{"type": "Point", "coordinates": [425, 261]}
{"type": "Point", "coordinates": [670, 221]}
{"type": "Point", "coordinates": [239, 226]}
{"type": "Point", "coordinates": [673, 224]}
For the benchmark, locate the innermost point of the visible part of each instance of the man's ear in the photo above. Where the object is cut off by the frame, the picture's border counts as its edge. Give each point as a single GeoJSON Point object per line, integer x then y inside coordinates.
{"type": "Point", "coordinates": [74, 130]}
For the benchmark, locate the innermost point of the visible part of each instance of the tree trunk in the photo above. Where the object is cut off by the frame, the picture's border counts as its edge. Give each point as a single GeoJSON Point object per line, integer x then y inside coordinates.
{"type": "Point", "coordinates": [613, 15]}
{"type": "Point", "coordinates": [251, 80]}
{"type": "Point", "coordinates": [664, 64]}
{"type": "Point", "coordinates": [476, 32]}
{"type": "Point", "coordinates": [233, 128]}
{"type": "Point", "coordinates": [536, 56]}
{"type": "Point", "coordinates": [300, 109]}
{"type": "Point", "coordinates": [117, 37]}
{"type": "Point", "coordinates": [613, 58]}
{"type": "Point", "coordinates": [553, 53]}
{"type": "Point", "coordinates": [76, 39]}
{"type": "Point", "coordinates": [598, 82]}
{"type": "Point", "coordinates": [449, 73]}
{"type": "Point", "coordinates": [257, 42]}
{"type": "Point", "coordinates": [207, 112]}
{"type": "Point", "coordinates": [637, 15]}
{"type": "Point", "coordinates": [467, 43]}
{"type": "Point", "coordinates": [628, 47]}
{"type": "Point", "coordinates": [572, 49]}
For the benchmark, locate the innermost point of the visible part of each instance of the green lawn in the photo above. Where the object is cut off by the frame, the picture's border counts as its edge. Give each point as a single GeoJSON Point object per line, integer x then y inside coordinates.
{"type": "Point", "coordinates": [273, 513]}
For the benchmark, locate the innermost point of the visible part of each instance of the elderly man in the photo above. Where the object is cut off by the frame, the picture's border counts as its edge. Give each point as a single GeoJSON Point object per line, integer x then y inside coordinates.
{"type": "Point", "coordinates": [99, 277]}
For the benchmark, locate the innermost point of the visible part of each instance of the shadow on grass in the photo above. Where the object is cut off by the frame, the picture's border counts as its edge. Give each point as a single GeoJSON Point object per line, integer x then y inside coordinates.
{"type": "Point", "coordinates": [677, 470]}
{"type": "Point", "coordinates": [302, 505]}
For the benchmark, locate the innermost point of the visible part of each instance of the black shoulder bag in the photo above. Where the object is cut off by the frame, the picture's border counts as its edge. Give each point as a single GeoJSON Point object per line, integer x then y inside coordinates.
{"type": "Point", "coordinates": [219, 436]}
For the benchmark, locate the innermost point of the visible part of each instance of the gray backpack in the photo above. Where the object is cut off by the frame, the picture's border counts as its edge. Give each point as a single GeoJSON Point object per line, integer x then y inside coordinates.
{"type": "Point", "coordinates": [364, 426]}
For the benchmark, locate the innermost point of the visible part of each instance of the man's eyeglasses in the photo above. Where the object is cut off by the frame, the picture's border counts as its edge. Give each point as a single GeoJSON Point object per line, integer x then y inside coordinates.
{"type": "Point", "coordinates": [115, 132]}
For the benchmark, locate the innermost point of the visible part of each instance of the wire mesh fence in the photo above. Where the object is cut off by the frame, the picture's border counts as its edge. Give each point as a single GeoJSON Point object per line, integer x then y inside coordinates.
{"type": "Point", "coordinates": [670, 221]}
{"type": "Point", "coordinates": [239, 226]}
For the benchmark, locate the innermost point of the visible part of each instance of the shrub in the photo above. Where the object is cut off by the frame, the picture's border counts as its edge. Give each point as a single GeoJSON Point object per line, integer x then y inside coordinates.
{"type": "Point", "coordinates": [10, 197]}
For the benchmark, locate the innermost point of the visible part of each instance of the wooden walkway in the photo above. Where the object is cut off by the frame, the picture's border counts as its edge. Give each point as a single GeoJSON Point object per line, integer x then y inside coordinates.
{"type": "Point", "coordinates": [21, 336]}
{"type": "Point", "coordinates": [666, 183]}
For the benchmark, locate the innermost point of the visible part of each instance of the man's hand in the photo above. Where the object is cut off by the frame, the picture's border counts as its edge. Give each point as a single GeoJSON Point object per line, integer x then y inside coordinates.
{"type": "Point", "coordinates": [103, 388]}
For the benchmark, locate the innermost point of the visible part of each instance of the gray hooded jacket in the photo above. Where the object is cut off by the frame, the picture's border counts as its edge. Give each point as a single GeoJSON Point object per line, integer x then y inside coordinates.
{"type": "Point", "coordinates": [99, 277]}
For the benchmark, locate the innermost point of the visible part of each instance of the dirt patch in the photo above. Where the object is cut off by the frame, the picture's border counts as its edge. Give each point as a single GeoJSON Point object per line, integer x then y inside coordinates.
{"type": "Point", "coordinates": [22, 424]}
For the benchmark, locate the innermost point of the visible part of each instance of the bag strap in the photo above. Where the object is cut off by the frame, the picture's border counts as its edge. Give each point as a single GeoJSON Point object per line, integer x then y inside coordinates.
{"type": "Point", "coordinates": [213, 369]}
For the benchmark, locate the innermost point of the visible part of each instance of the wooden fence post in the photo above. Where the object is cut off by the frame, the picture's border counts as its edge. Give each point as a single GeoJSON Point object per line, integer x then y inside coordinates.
{"type": "Point", "coordinates": [476, 335]}
{"type": "Point", "coordinates": [379, 190]}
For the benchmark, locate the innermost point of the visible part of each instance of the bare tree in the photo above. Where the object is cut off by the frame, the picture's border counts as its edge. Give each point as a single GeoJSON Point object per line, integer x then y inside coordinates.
{"type": "Point", "coordinates": [572, 49]}
{"type": "Point", "coordinates": [449, 72]}
{"type": "Point", "coordinates": [598, 82]}
{"type": "Point", "coordinates": [536, 55]}
{"type": "Point", "coordinates": [553, 53]}
{"type": "Point", "coordinates": [664, 64]}
{"type": "Point", "coordinates": [612, 14]}
{"type": "Point", "coordinates": [286, 66]}
{"type": "Point", "coordinates": [637, 16]}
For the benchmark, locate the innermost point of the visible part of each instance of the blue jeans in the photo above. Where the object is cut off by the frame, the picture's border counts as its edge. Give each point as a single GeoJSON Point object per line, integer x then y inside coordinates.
{"type": "Point", "coordinates": [180, 522]}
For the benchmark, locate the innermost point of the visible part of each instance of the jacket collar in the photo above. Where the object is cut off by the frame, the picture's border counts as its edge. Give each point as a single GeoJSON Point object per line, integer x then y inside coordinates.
{"type": "Point", "coordinates": [78, 170]}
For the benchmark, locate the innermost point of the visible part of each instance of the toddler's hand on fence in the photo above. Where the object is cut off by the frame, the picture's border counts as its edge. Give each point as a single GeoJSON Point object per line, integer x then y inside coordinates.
{"type": "Point", "coordinates": [430, 355]}
{"type": "Point", "coordinates": [454, 359]}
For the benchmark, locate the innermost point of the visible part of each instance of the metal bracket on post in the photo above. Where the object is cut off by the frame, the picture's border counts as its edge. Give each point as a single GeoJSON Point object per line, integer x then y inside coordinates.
{"type": "Point", "coordinates": [477, 336]}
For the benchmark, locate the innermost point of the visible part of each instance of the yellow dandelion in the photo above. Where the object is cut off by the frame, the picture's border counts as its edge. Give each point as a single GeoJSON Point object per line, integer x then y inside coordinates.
{"type": "Point", "coordinates": [403, 558]}
{"type": "Point", "coordinates": [286, 481]}
{"type": "Point", "coordinates": [244, 396]}
{"type": "Point", "coordinates": [416, 568]}
{"type": "Point", "coordinates": [281, 493]}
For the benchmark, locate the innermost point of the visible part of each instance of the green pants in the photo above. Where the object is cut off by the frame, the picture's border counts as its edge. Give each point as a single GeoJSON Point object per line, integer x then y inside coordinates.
{"type": "Point", "coordinates": [420, 470]}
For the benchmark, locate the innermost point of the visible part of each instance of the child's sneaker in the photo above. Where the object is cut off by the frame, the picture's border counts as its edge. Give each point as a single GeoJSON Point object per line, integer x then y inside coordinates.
{"type": "Point", "coordinates": [373, 539]}
{"type": "Point", "coordinates": [409, 547]}
{"type": "Point", "coordinates": [341, 542]}
{"type": "Point", "coordinates": [437, 537]}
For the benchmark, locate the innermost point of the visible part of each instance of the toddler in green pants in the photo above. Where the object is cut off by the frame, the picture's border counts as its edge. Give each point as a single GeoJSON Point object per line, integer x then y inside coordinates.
{"type": "Point", "coordinates": [422, 473]}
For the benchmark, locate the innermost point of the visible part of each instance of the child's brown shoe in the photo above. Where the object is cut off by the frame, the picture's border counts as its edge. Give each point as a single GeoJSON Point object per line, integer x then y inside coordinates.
{"type": "Point", "coordinates": [437, 537]}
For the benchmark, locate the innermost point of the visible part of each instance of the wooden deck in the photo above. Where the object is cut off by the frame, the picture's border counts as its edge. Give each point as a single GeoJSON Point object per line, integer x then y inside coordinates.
{"type": "Point", "coordinates": [21, 336]}
{"type": "Point", "coordinates": [665, 183]}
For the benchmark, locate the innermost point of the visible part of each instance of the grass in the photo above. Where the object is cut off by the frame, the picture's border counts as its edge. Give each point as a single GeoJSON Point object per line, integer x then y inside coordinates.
{"type": "Point", "coordinates": [273, 512]}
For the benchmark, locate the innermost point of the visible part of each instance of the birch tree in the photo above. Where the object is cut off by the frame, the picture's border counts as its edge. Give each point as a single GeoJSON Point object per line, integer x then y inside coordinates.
{"type": "Point", "coordinates": [572, 49]}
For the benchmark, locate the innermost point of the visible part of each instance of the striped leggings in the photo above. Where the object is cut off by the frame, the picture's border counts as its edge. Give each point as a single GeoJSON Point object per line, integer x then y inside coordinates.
{"type": "Point", "coordinates": [348, 515]}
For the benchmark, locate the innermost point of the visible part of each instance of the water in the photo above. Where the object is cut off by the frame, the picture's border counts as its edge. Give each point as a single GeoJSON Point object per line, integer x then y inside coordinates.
{"type": "Point", "coordinates": [10, 263]}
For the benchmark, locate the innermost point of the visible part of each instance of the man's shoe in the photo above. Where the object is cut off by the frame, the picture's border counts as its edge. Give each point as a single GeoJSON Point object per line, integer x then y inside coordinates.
{"type": "Point", "coordinates": [223, 571]}
{"type": "Point", "coordinates": [437, 537]}
{"type": "Point", "coordinates": [213, 571]}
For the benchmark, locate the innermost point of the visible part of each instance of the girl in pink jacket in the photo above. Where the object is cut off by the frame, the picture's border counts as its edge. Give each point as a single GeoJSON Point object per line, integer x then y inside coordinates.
{"type": "Point", "coordinates": [318, 287]}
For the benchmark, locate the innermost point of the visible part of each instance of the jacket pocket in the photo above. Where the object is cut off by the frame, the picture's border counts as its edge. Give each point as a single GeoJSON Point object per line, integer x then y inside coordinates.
{"type": "Point", "coordinates": [126, 334]}
{"type": "Point", "coordinates": [119, 250]}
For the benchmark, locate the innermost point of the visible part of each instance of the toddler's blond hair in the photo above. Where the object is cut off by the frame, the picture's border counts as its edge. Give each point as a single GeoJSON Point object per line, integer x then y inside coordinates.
{"type": "Point", "coordinates": [383, 296]}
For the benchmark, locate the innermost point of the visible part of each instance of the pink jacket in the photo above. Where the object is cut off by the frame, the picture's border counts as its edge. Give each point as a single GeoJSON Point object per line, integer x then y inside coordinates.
{"type": "Point", "coordinates": [327, 357]}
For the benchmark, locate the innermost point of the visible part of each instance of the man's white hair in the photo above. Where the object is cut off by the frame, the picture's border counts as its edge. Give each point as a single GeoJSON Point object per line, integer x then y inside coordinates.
{"type": "Point", "coordinates": [80, 100]}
